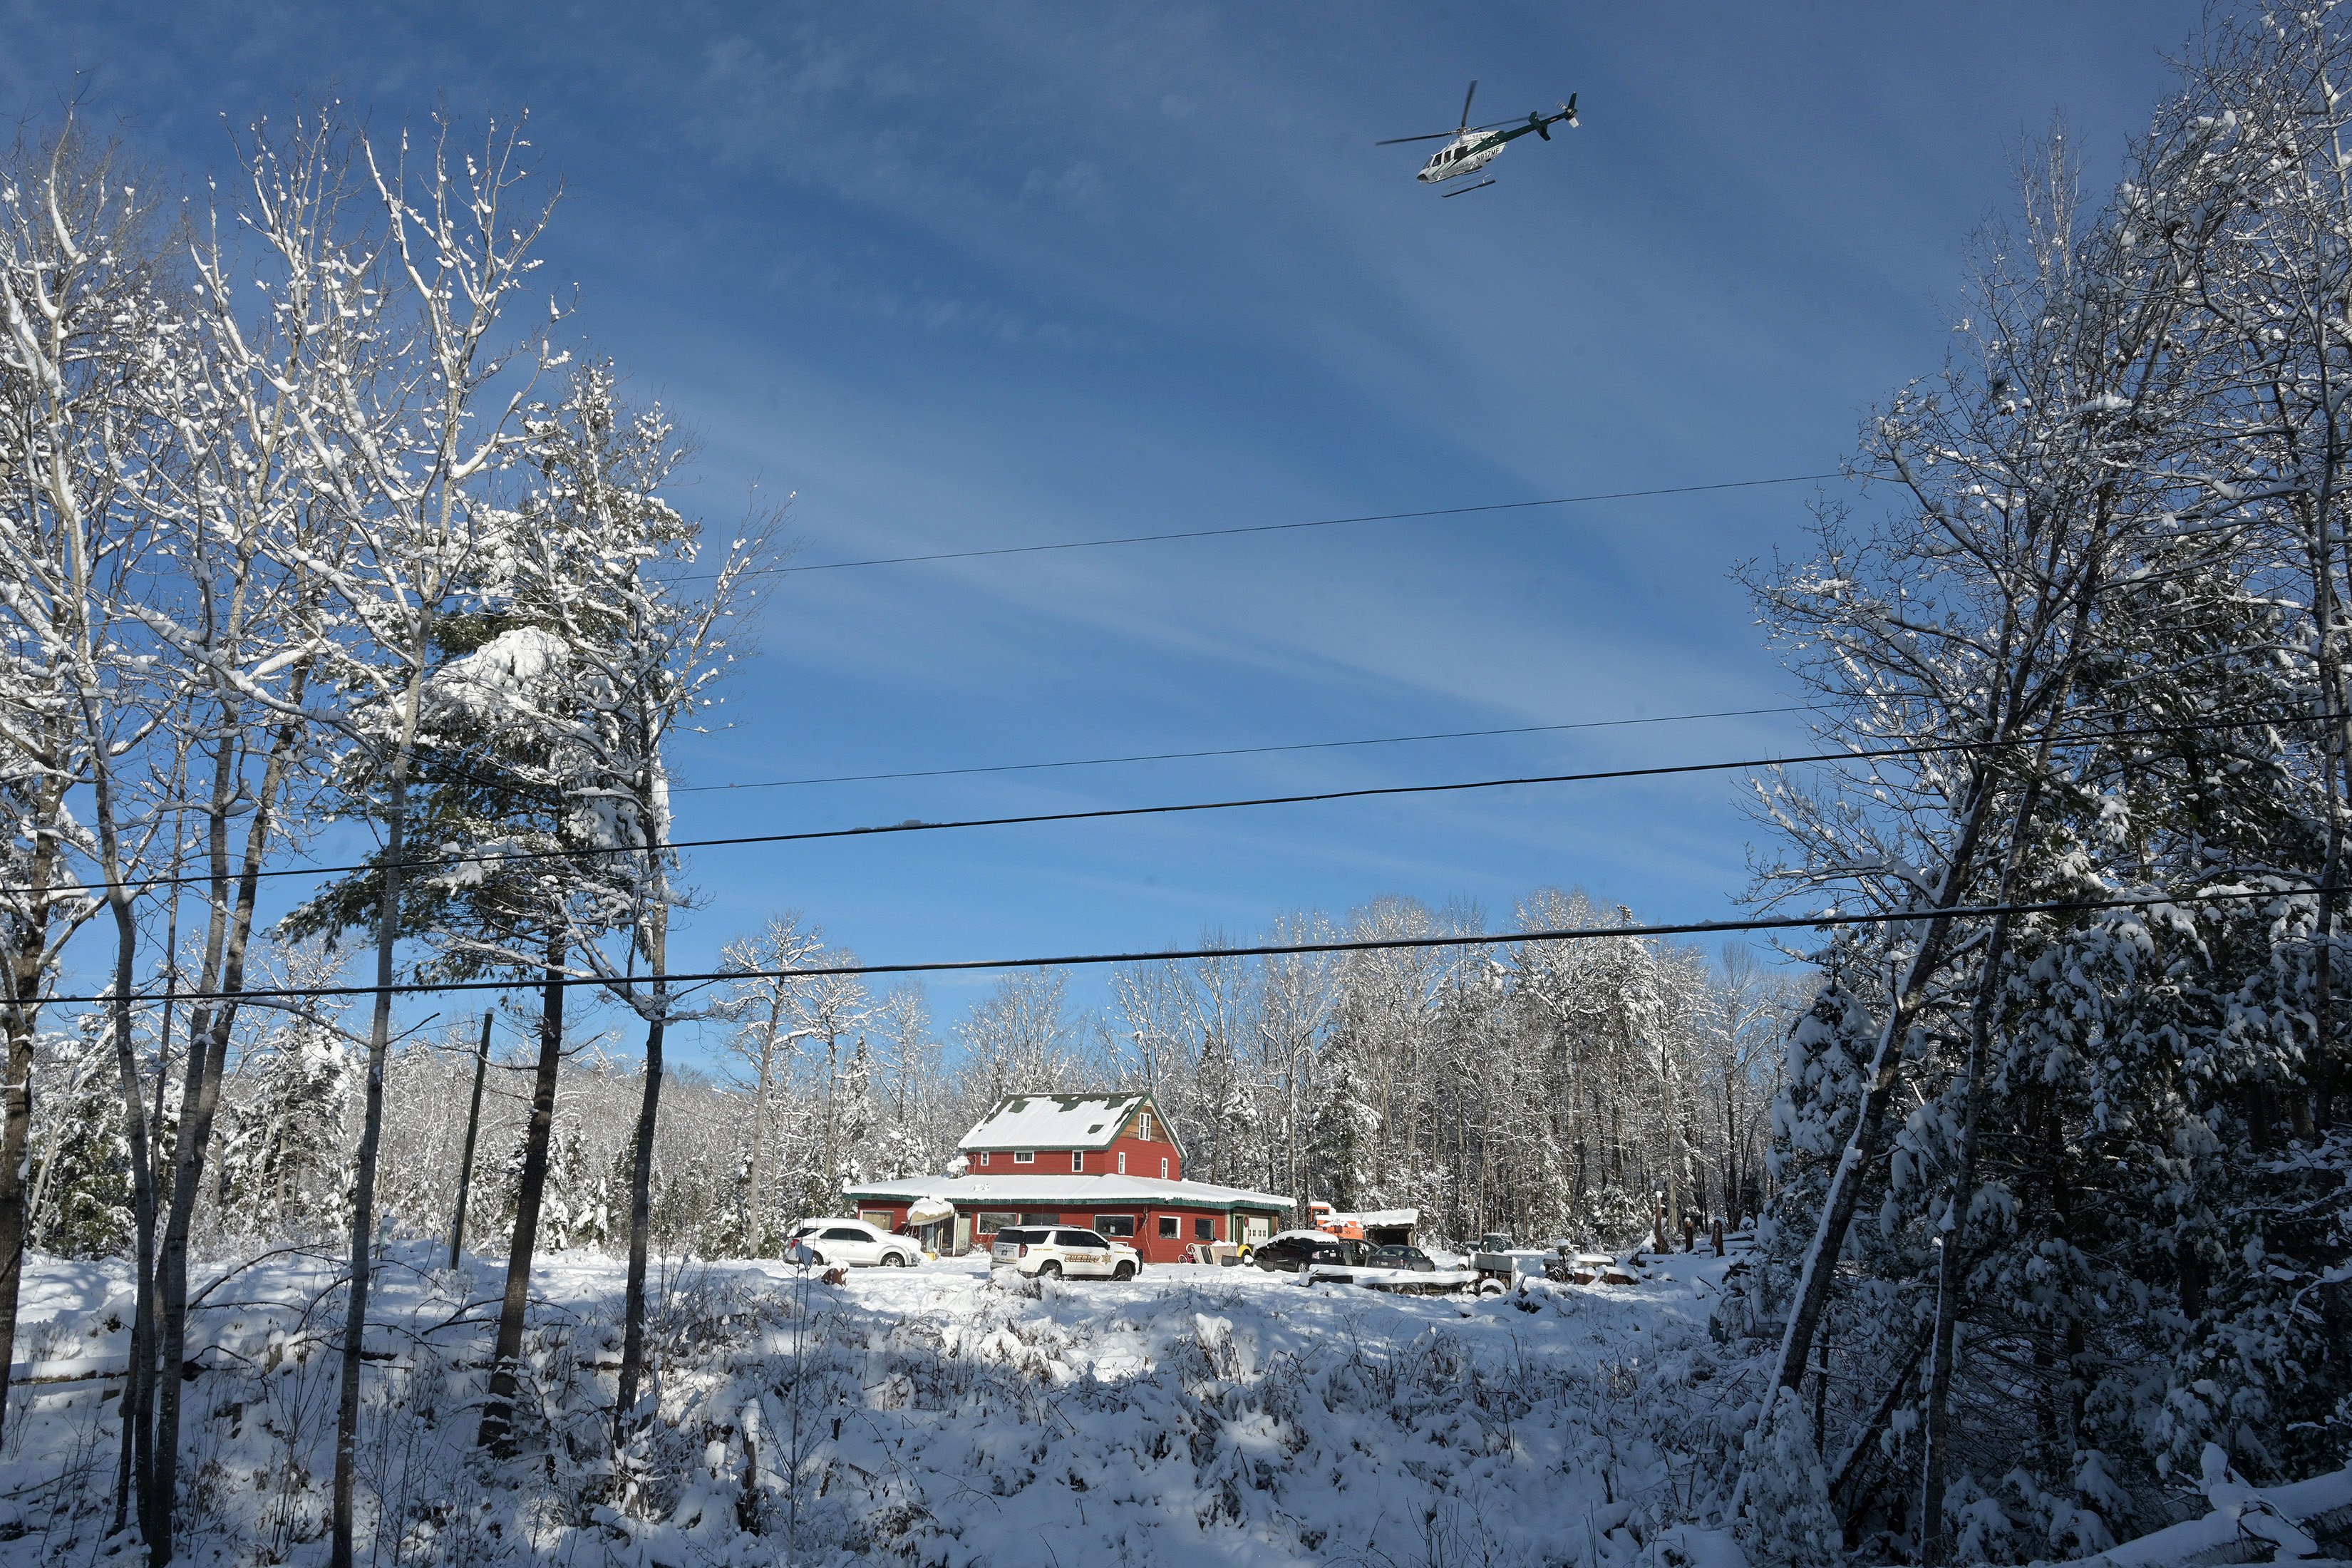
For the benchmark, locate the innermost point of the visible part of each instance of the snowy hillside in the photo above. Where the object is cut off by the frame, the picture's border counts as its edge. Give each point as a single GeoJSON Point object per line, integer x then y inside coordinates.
{"type": "Point", "coordinates": [1198, 1415]}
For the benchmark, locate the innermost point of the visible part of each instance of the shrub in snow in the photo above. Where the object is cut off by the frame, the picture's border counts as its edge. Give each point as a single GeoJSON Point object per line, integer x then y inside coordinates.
{"type": "Point", "coordinates": [1788, 1519]}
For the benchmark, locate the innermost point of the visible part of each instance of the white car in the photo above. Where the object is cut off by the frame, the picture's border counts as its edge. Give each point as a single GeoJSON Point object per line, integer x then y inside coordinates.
{"type": "Point", "coordinates": [1057, 1251]}
{"type": "Point", "coordinates": [851, 1243]}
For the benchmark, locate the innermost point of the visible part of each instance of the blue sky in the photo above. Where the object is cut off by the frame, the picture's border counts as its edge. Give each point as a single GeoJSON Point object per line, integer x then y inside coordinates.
{"type": "Point", "coordinates": [961, 276]}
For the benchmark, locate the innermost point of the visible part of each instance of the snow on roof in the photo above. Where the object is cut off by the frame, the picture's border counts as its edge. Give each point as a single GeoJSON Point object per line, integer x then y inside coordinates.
{"type": "Point", "coordinates": [1385, 1218]}
{"type": "Point", "coordinates": [1054, 1121]}
{"type": "Point", "coordinates": [1064, 1192]}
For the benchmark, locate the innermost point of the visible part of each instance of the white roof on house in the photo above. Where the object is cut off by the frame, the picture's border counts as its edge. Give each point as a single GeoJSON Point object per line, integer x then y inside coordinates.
{"type": "Point", "coordinates": [1073, 1192]}
{"type": "Point", "coordinates": [1054, 1121]}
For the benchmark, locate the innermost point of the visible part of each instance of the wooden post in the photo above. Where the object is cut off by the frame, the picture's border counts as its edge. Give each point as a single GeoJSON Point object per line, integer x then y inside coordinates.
{"type": "Point", "coordinates": [1715, 1234]}
{"type": "Point", "coordinates": [473, 1126]}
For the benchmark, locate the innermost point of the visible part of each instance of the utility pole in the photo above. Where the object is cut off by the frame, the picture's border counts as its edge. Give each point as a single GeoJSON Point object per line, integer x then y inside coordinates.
{"type": "Point", "coordinates": [473, 1126]}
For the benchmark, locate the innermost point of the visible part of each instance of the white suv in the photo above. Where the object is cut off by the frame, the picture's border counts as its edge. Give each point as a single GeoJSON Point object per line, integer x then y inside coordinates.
{"type": "Point", "coordinates": [853, 1243]}
{"type": "Point", "coordinates": [1059, 1249]}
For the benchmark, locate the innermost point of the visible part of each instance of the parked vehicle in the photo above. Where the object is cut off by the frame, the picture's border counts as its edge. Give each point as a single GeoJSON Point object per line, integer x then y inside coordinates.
{"type": "Point", "coordinates": [1502, 1268]}
{"type": "Point", "coordinates": [1294, 1250]}
{"type": "Point", "coordinates": [1411, 1258]}
{"type": "Point", "coordinates": [851, 1244]}
{"type": "Point", "coordinates": [1057, 1251]}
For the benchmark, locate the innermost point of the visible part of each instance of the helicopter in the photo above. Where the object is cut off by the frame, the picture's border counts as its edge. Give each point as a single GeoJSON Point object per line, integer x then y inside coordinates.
{"type": "Point", "coordinates": [1468, 148]}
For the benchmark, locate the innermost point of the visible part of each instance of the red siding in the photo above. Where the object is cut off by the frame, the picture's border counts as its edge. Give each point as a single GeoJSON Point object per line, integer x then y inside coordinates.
{"type": "Point", "coordinates": [1142, 1159]}
{"type": "Point", "coordinates": [1143, 1155]}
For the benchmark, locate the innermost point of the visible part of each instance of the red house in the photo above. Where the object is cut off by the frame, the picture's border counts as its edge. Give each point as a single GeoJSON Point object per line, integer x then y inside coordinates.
{"type": "Point", "coordinates": [1109, 1162]}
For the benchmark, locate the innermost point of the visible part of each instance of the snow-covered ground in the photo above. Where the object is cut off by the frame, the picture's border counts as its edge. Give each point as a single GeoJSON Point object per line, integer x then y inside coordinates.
{"type": "Point", "coordinates": [1195, 1416]}
{"type": "Point", "coordinates": [1198, 1415]}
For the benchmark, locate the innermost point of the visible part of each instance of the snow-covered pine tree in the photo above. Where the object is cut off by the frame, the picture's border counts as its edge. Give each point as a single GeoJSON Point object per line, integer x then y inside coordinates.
{"type": "Point", "coordinates": [80, 1198]}
{"type": "Point", "coordinates": [285, 1137]}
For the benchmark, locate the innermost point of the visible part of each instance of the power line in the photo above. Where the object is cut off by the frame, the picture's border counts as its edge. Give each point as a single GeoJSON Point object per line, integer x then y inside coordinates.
{"type": "Point", "coordinates": [1262, 950]}
{"type": "Point", "coordinates": [1243, 750]}
{"type": "Point", "coordinates": [1270, 527]}
{"type": "Point", "coordinates": [912, 824]}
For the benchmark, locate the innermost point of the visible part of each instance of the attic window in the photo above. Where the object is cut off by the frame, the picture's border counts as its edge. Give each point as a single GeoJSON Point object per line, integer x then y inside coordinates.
{"type": "Point", "coordinates": [1026, 1157]}
{"type": "Point", "coordinates": [1143, 1126]}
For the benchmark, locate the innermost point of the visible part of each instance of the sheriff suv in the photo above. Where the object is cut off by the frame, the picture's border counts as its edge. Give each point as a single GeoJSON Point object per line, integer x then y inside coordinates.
{"type": "Point", "coordinates": [1056, 1251]}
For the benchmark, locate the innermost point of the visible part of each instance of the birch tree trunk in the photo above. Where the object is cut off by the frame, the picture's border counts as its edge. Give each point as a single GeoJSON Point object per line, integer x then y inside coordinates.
{"type": "Point", "coordinates": [135, 1466]}
{"type": "Point", "coordinates": [1886, 1072]}
{"type": "Point", "coordinates": [641, 1171]}
{"type": "Point", "coordinates": [497, 1428]}
{"type": "Point", "coordinates": [209, 1034]}
{"type": "Point", "coordinates": [1934, 1539]}
{"type": "Point", "coordinates": [347, 1402]}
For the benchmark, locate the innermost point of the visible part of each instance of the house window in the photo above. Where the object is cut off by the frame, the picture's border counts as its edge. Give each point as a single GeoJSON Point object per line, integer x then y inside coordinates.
{"type": "Point", "coordinates": [1077, 1161]}
{"type": "Point", "coordinates": [1163, 1169]}
{"type": "Point", "coordinates": [1122, 1161]}
{"type": "Point", "coordinates": [1143, 1127]}
{"type": "Point", "coordinates": [984, 1158]}
{"type": "Point", "coordinates": [988, 1223]}
{"type": "Point", "coordinates": [1026, 1157]}
{"type": "Point", "coordinates": [1118, 1225]}
{"type": "Point", "coordinates": [1168, 1227]}
{"type": "Point", "coordinates": [1205, 1228]}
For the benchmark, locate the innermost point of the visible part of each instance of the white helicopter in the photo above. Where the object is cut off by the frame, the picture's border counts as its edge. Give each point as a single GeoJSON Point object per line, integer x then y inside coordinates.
{"type": "Point", "coordinates": [1469, 148]}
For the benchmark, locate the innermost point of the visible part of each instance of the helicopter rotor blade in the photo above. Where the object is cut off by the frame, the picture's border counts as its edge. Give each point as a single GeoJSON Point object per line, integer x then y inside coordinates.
{"type": "Point", "coordinates": [1465, 102]}
{"type": "Point", "coordinates": [1433, 136]}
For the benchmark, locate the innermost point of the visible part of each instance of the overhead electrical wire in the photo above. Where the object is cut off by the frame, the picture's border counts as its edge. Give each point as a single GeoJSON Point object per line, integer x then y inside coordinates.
{"type": "Point", "coordinates": [1097, 814]}
{"type": "Point", "coordinates": [784, 571]}
{"type": "Point", "coordinates": [1243, 750]}
{"type": "Point", "coordinates": [1823, 920]}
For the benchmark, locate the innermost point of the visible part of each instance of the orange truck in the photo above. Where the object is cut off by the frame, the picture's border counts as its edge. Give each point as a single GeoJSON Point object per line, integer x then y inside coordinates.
{"type": "Point", "coordinates": [1382, 1227]}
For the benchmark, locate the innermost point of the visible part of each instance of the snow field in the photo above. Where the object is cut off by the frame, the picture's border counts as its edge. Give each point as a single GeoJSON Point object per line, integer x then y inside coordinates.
{"type": "Point", "coordinates": [930, 1416]}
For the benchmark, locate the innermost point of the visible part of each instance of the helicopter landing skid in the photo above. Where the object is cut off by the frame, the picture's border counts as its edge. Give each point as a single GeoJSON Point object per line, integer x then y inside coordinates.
{"type": "Point", "coordinates": [1467, 189]}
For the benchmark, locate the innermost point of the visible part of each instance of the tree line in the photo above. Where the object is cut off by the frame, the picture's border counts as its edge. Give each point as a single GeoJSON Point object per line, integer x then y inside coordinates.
{"type": "Point", "coordinates": [313, 512]}
{"type": "Point", "coordinates": [2062, 1150]}
{"type": "Point", "coordinates": [1547, 1090]}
